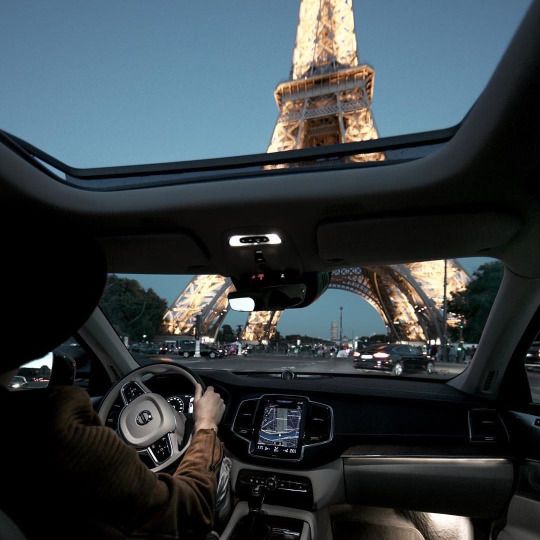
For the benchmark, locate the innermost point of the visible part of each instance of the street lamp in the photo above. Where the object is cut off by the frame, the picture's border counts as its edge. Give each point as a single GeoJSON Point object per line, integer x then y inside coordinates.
{"type": "Point", "coordinates": [445, 314]}
{"type": "Point", "coordinates": [340, 326]}
{"type": "Point", "coordinates": [198, 320]}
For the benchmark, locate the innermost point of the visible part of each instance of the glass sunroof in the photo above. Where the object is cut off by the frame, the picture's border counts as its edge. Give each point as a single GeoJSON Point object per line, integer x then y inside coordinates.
{"type": "Point", "coordinates": [119, 83]}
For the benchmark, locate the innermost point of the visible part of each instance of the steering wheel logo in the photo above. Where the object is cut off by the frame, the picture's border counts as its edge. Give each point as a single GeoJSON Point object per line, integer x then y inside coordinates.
{"type": "Point", "coordinates": [144, 417]}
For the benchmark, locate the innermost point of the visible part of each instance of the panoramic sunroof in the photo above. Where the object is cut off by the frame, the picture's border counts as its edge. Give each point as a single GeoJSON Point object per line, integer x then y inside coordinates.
{"type": "Point", "coordinates": [110, 84]}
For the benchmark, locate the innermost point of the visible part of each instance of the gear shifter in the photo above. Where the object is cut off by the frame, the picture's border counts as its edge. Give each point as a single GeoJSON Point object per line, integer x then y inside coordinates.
{"type": "Point", "coordinates": [256, 525]}
{"type": "Point", "coordinates": [253, 525]}
{"type": "Point", "coordinates": [256, 499]}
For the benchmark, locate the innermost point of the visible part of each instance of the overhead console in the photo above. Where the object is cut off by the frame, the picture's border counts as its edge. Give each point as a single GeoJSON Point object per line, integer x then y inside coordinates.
{"type": "Point", "coordinates": [282, 427]}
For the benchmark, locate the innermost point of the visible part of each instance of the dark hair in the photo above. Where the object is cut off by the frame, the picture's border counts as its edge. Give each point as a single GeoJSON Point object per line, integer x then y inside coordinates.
{"type": "Point", "coordinates": [54, 279]}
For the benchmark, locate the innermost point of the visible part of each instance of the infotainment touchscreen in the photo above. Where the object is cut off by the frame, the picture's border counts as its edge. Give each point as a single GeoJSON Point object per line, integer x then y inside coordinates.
{"type": "Point", "coordinates": [280, 431]}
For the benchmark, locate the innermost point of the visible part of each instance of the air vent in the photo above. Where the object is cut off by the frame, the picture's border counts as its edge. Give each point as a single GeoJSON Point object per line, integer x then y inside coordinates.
{"type": "Point", "coordinates": [243, 422]}
{"type": "Point", "coordinates": [485, 426]}
{"type": "Point", "coordinates": [318, 424]}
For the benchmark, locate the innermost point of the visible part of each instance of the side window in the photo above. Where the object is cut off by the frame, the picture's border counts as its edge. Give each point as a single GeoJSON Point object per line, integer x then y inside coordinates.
{"type": "Point", "coordinates": [34, 374]}
{"type": "Point", "coordinates": [69, 364]}
{"type": "Point", "coordinates": [532, 365]}
{"type": "Point", "coordinates": [88, 370]}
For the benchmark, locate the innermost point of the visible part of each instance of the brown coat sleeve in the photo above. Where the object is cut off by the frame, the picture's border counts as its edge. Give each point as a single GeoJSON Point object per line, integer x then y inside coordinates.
{"type": "Point", "coordinates": [95, 464]}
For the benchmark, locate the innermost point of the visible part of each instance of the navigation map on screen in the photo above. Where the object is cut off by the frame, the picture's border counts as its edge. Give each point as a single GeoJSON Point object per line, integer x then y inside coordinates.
{"type": "Point", "coordinates": [280, 429]}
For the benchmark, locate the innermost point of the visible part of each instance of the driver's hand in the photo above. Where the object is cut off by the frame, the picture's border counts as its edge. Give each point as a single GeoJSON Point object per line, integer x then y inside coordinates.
{"type": "Point", "coordinates": [208, 408]}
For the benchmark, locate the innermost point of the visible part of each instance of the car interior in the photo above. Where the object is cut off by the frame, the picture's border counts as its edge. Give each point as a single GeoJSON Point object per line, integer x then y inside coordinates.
{"type": "Point", "coordinates": [374, 457]}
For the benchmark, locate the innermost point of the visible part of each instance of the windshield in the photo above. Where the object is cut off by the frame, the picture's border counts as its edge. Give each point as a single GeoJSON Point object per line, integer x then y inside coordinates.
{"type": "Point", "coordinates": [116, 83]}
{"type": "Point", "coordinates": [419, 319]}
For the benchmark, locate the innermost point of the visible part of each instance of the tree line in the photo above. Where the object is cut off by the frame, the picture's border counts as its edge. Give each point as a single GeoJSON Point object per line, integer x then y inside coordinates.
{"type": "Point", "coordinates": [133, 311]}
{"type": "Point", "coordinates": [473, 304]}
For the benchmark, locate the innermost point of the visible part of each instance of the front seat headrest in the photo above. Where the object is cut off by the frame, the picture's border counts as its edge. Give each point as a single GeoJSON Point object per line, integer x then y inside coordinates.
{"type": "Point", "coordinates": [52, 282]}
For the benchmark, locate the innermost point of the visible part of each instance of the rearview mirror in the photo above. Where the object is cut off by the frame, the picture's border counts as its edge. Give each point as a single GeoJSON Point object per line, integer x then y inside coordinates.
{"type": "Point", "coordinates": [241, 303]}
{"type": "Point", "coordinates": [276, 292]}
{"type": "Point", "coordinates": [274, 298]}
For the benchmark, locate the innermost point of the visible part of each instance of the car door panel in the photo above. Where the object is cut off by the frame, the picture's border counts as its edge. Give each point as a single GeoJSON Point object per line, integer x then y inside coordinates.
{"type": "Point", "coordinates": [523, 516]}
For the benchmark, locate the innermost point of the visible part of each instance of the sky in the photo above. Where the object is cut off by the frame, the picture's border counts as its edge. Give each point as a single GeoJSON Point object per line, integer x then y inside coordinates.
{"type": "Point", "coordinates": [117, 82]}
{"type": "Point", "coordinates": [46, 360]}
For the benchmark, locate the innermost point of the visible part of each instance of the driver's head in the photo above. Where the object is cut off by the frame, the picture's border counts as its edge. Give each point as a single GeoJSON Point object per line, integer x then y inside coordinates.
{"type": "Point", "coordinates": [52, 280]}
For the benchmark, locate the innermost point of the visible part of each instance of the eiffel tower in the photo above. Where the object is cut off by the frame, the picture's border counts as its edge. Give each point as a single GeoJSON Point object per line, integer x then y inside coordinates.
{"type": "Point", "coordinates": [327, 100]}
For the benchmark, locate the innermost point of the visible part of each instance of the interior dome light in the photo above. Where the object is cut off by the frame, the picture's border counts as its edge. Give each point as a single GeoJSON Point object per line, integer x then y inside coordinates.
{"type": "Point", "coordinates": [243, 240]}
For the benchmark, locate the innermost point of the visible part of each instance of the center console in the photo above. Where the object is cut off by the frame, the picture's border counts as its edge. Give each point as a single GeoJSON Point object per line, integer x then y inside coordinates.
{"type": "Point", "coordinates": [272, 523]}
{"type": "Point", "coordinates": [276, 432]}
{"type": "Point", "coordinates": [284, 489]}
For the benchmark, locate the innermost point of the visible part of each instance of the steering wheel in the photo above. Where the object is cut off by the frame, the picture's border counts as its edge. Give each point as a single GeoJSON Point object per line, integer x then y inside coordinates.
{"type": "Point", "coordinates": [147, 420]}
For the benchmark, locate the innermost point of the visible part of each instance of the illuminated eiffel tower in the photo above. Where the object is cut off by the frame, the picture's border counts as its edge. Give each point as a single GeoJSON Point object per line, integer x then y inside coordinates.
{"type": "Point", "coordinates": [328, 101]}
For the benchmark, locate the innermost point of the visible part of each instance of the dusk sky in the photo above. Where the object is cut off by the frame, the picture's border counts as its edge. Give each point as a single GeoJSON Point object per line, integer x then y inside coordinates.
{"type": "Point", "coordinates": [137, 81]}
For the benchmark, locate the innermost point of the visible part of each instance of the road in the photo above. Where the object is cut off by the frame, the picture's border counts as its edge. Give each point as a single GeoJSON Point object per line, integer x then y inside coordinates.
{"type": "Point", "coordinates": [309, 364]}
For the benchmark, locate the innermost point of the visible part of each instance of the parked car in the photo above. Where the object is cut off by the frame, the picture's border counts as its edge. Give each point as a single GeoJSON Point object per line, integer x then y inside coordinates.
{"type": "Point", "coordinates": [532, 358]}
{"type": "Point", "coordinates": [187, 349]}
{"type": "Point", "coordinates": [169, 347]}
{"type": "Point", "coordinates": [148, 348]}
{"type": "Point", "coordinates": [394, 357]}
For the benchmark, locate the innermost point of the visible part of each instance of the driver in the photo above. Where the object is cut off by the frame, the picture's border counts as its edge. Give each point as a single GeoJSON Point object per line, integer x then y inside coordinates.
{"type": "Point", "coordinates": [65, 474]}
{"type": "Point", "coordinates": [102, 487]}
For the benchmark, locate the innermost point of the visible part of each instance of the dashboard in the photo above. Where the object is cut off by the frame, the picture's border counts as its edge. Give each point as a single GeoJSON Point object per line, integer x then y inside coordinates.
{"type": "Point", "coordinates": [310, 422]}
{"type": "Point", "coordinates": [331, 439]}
{"type": "Point", "coordinates": [326, 438]}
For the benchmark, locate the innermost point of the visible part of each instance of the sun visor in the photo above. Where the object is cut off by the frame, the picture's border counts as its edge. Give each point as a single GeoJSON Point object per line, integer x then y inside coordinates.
{"type": "Point", "coordinates": [390, 240]}
{"type": "Point", "coordinates": [150, 254]}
